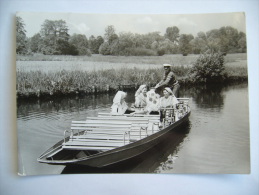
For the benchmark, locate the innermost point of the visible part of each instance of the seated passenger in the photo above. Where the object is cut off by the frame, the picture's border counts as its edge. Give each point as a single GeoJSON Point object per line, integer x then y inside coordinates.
{"type": "Point", "coordinates": [141, 97]}
{"type": "Point", "coordinates": [119, 106]}
{"type": "Point", "coordinates": [168, 100]}
{"type": "Point", "coordinates": [149, 101]}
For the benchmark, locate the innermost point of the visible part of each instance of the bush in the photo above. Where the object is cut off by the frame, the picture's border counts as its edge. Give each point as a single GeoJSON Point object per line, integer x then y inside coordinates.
{"type": "Point", "coordinates": [161, 52]}
{"type": "Point", "coordinates": [208, 68]}
{"type": "Point", "coordinates": [104, 49]}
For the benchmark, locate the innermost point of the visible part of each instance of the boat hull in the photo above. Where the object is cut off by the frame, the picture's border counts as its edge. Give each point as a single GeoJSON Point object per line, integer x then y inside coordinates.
{"type": "Point", "coordinates": [111, 157]}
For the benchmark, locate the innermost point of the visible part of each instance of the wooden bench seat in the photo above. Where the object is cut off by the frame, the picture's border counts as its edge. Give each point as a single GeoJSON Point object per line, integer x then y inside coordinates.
{"type": "Point", "coordinates": [92, 125]}
{"type": "Point", "coordinates": [151, 125]}
{"type": "Point", "coordinates": [95, 134]}
{"type": "Point", "coordinates": [100, 133]}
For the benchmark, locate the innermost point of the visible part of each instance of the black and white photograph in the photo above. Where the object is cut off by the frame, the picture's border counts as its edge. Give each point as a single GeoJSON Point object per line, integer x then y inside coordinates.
{"type": "Point", "coordinates": [132, 93]}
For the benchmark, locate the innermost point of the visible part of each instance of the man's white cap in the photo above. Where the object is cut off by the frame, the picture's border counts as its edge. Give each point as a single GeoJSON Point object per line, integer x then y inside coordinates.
{"type": "Point", "coordinates": [169, 65]}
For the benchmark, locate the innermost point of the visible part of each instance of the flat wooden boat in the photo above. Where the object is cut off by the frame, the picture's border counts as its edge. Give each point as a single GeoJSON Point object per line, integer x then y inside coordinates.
{"type": "Point", "coordinates": [107, 139]}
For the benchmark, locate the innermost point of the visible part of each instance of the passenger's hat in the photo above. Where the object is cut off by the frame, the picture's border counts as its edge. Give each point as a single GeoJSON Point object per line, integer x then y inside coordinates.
{"type": "Point", "coordinates": [167, 65]}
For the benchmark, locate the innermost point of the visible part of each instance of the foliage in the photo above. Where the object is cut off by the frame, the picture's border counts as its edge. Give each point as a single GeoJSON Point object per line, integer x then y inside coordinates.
{"type": "Point", "coordinates": [242, 42]}
{"type": "Point", "coordinates": [172, 33]}
{"type": "Point", "coordinates": [80, 44]}
{"type": "Point", "coordinates": [226, 39]}
{"type": "Point", "coordinates": [35, 42]}
{"type": "Point", "coordinates": [104, 49]}
{"type": "Point", "coordinates": [208, 68]}
{"type": "Point", "coordinates": [55, 38]}
{"type": "Point", "coordinates": [199, 43]}
{"type": "Point", "coordinates": [110, 34]}
{"type": "Point", "coordinates": [184, 44]}
{"type": "Point", "coordinates": [95, 43]}
{"type": "Point", "coordinates": [21, 39]}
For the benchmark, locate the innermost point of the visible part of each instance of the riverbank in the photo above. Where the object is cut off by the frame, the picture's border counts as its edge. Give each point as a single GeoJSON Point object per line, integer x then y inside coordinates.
{"type": "Point", "coordinates": [35, 82]}
{"type": "Point", "coordinates": [65, 83]}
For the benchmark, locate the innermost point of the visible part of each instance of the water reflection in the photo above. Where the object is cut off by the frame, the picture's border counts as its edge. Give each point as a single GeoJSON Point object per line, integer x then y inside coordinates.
{"type": "Point", "coordinates": [73, 104]}
{"type": "Point", "coordinates": [206, 96]}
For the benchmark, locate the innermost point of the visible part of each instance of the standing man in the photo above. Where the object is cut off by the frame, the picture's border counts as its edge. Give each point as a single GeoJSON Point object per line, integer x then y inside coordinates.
{"type": "Point", "coordinates": [169, 80]}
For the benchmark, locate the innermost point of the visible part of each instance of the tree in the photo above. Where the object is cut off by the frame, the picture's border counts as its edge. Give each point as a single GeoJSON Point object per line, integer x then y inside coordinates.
{"type": "Point", "coordinates": [138, 41]}
{"type": "Point", "coordinates": [213, 40]}
{"type": "Point", "coordinates": [99, 42]}
{"type": "Point", "coordinates": [92, 44]}
{"type": "Point", "coordinates": [149, 38]}
{"type": "Point", "coordinates": [242, 42]}
{"type": "Point", "coordinates": [112, 38]}
{"type": "Point", "coordinates": [199, 43]}
{"type": "Point", "coordinates": [232, 36]}
{"type": "Point", "coordinates": [115, 48]}
{"type": "Point", "coordinates": [163, 47]}
{"type": "Point", "coordinates": [172, 33]}
{"type": "Point", "coordinates": [54, 33]}
{"type": "Point", "coordinates": [35, 42]}
{"type": "Point", "coordinates": [95, 43]}
{"type": "Point", "coordinates": [80, 42]}
{"type": "Point", "coordinates": [126, 40]}
{"type": "Point", "coordinates": [21, 39]}
{"type": "Point", "coordinates": [201, 35]}
{"type": "Point", "coordinates": [223, 40]}
{"type": "Point", "coordinates": [110, 35]}
{"type": "Point", "coordinates": [184, 44]}
{"type": "Point", "coordinates": [104, 49]}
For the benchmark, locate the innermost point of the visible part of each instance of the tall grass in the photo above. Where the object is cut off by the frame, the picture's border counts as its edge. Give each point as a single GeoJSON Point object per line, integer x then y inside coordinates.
{"type": "Point", "coordinates": [62, 81]}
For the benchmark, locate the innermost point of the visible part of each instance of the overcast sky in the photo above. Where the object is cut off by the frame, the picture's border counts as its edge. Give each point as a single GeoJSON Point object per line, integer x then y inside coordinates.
{"type": "Point", "coordinates": [95, 24]}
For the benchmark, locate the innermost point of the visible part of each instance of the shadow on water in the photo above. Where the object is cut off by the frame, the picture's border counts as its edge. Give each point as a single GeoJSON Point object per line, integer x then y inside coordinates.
{"type": "Point", "coordinates": [148, 162]}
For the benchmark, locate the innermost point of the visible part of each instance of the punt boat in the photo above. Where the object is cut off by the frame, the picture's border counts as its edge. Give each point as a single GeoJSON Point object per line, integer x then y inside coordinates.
{"type": "Point", "coordinates": [107, 140]}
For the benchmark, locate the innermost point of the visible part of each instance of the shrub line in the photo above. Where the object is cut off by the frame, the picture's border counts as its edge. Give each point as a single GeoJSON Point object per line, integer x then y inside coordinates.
{"type": "Point", "coordinates": [131, 87]}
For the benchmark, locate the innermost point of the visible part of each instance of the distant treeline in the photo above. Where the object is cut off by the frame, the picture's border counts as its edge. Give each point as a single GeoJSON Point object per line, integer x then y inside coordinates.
{"type": "Point", "coordinates": [53, 39]}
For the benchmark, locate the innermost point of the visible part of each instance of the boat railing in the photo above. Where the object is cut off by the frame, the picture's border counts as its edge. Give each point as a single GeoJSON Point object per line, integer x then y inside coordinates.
{"type": "Point", "coordinates": [65, 133]}
{"type": "Point", "coordinates": [170, 115]}
{"type": "Point", "coordinates": [124, 138]}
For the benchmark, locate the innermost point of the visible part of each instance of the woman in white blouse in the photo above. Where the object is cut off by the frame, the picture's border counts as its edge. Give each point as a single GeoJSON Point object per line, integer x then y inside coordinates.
{"type": "Point", "coordinates": [168, 100]}
{"type": "Point", "coordinates": [119, 106]}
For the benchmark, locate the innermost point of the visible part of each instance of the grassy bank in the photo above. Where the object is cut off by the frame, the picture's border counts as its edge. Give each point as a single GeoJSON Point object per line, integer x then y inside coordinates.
{"type": "Point", "coordinates": [64, 82]}
{"type": "Point", "coordinates": [38, 83]}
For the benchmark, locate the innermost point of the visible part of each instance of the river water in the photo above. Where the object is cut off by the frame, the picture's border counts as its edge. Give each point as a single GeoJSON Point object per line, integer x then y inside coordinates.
{"type": "Point", "coordinates": [216, 139]}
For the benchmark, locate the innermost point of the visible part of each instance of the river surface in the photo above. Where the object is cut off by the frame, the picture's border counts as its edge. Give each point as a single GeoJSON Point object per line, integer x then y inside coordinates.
{"type": "Point", "coordinates": [215, 140]}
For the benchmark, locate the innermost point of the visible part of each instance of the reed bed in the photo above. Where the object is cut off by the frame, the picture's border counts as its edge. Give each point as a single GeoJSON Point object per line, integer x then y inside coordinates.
{"type": "Point", "coordinates": [65, 80]}
{"type": "Point", "coordinates": [37, 83]}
